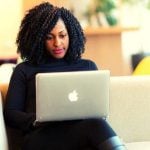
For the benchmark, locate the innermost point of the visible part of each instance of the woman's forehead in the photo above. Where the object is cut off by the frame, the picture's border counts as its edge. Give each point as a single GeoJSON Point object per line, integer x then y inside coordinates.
{"type": "Point", "coordinates": [59, 27]}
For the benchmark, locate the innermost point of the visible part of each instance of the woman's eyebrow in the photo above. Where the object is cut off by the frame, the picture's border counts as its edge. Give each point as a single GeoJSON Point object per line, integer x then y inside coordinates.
{"type": "Point", "coordinates": [62, 31]}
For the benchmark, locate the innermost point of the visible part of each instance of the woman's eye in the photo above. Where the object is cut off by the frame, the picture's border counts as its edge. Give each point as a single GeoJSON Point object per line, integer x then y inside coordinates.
{"type": "Point", "coordinates": [62, 36]}
{"type": "Point", "coordinates": [48, 37]}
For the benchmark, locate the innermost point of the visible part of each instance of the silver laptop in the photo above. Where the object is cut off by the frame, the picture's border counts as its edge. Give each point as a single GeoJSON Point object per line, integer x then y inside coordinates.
{"type": "Point", "coordinates": [72, 95]}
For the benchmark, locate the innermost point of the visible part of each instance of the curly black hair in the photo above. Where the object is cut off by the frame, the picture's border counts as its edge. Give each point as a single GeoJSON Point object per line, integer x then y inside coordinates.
{"type": "Point", "coordinates": [35, 26]}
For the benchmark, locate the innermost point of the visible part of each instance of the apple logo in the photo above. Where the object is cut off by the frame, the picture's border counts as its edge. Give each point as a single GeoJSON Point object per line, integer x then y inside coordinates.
{"type": "Point", "coordinates": [73, 96]}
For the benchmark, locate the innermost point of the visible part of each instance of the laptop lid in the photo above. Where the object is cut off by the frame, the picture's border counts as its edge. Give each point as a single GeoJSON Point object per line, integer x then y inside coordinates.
{"type": "Point", "coordinates": [72, 95]}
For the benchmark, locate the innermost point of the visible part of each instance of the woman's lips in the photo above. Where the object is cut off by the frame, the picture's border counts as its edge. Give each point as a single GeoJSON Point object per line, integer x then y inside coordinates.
{"type": "Point", "coordinates": [58, 51]}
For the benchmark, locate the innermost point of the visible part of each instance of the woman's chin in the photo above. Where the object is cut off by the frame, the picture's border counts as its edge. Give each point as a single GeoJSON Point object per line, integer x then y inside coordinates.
{"type": "Point", "coordinates": [58, 56]}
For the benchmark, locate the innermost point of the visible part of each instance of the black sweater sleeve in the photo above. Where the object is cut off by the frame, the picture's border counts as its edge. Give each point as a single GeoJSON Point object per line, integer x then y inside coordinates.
{"type": "Point", "coordinates": [14, 111]}
{"type": "Point", "coordinates": [92, 65]}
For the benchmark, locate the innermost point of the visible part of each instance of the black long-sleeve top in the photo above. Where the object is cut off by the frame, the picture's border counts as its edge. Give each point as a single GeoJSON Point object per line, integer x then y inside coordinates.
{"type": "Point", "coordinates": [19, 110]}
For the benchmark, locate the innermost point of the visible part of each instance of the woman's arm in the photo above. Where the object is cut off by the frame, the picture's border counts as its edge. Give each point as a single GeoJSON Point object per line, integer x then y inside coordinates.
{"type": "Point", "coordinates": [14, 111]}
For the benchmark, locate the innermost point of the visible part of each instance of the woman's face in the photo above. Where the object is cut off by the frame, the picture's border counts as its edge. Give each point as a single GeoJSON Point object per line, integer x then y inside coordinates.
{"type": "Point", "coordinates": [57, 41]}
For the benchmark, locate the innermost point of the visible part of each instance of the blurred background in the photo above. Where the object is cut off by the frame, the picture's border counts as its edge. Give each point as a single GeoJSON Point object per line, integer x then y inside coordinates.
{"type": "Point", "coordinates": [117, 31]}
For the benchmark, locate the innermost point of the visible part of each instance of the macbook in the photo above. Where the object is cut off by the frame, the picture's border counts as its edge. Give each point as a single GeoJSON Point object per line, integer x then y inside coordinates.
{"type": "Point", "coordinates": [72, 95]}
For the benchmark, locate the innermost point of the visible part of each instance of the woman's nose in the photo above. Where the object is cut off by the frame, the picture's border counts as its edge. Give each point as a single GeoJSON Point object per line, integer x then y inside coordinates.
{"type": "Point", "coordinates": [57, 42]}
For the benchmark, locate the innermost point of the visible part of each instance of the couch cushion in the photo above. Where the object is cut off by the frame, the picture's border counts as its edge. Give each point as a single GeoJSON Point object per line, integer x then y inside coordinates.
{"type": "Point", "coordinates": [6, 71]}
{"type": "Point", "coordinates": [138, 146]}
{"type": "Point", "coordinates": [130, 107]}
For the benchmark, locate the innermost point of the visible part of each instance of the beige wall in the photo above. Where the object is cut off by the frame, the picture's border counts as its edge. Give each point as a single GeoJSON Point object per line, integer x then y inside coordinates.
{"type": "Point", "coordinates": [27, 4]}
{"type": "Point", "coordinates": [10, 14]}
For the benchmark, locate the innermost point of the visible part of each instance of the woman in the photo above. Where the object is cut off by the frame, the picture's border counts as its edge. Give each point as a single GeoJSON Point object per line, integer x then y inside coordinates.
{"type": "Point", "coordinates": [51, 40]}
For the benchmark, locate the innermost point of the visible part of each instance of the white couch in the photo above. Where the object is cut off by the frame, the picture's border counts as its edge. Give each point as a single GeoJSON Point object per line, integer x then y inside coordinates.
{"type": "Point", "coordinates": [129, 111]}
{"type": "Point", "coordinates": [3, 137]}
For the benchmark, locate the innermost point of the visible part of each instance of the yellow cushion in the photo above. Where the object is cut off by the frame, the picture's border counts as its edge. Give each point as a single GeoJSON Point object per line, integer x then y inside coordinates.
{"type": "Point", "coordinates": [143, 68]}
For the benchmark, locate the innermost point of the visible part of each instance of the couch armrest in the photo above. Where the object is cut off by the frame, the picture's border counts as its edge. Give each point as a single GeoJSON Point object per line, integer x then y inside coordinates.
{"type": "Point", "coordinates": [3, 137]}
